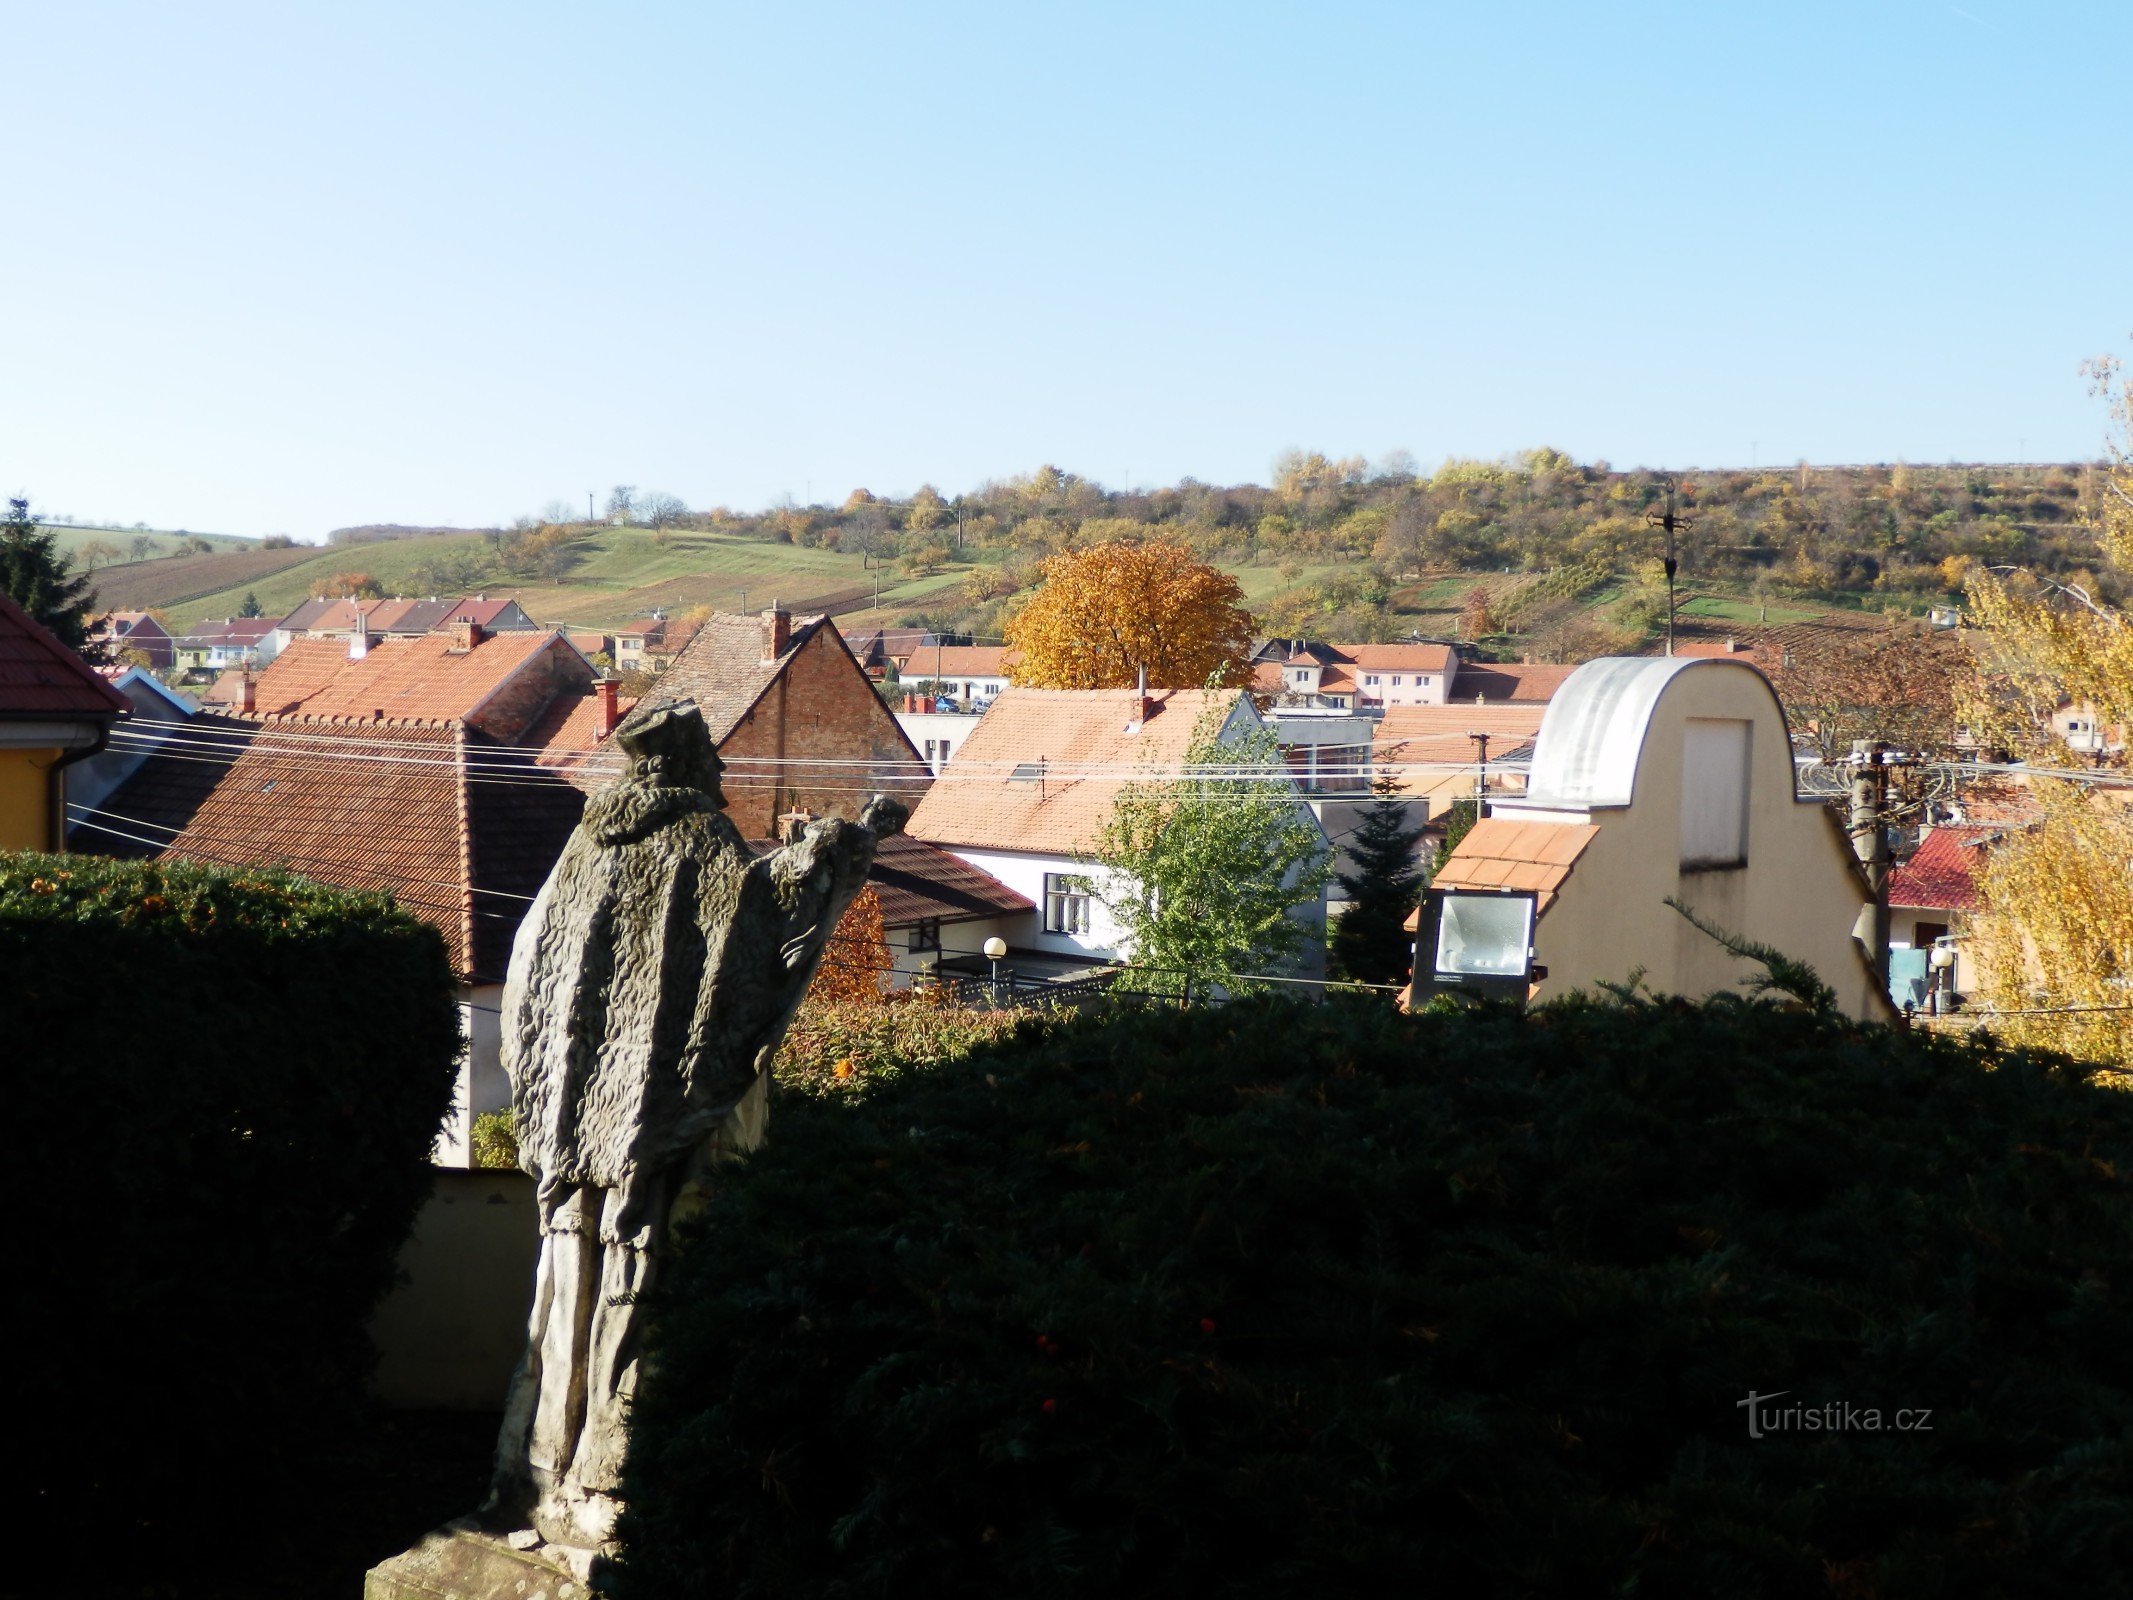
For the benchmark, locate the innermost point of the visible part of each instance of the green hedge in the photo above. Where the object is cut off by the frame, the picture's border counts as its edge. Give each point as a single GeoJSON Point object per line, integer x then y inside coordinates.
{"type": "Point", "coordinates": [224, 1091]}
{"type": "Point", "coordinates": [1279, 1300]}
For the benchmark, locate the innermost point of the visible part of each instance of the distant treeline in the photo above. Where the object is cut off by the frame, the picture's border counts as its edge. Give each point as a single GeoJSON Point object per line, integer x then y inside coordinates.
{"type": "Point", "coordinates": [379, 532]}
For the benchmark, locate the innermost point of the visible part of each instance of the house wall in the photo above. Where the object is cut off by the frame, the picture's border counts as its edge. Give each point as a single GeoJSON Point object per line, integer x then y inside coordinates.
{"type": "Point", "coordinates": [1375, 687]}
{"type": "Point", "coordinates": [1798, 890]}
{"type": "Point", "coordinates": [938, 728]}
{"type": "Point", "coordinates": [482, 1086]}
{"type": "Point", "coordinates": [958, 939]}
{"type": "Point", "coordinates": [451, 1332]}
{"type": "Point", "coordinates": [821, 708]}
{"type": "Point", "coordinates": [1025, 872]}
{"type": "Point", "coordinates": [26, 799]}
{"type": "Point", "coordinates": [1903, 933]}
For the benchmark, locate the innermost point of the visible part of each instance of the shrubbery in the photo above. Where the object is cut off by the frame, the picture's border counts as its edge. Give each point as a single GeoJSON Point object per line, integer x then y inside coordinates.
{"type": "Point", "coordinates": [224, 1089]}
{"type": "Point", "coordinates": [1282, 1300]}
{"type": "Point", "coordinates": [854, 1045]}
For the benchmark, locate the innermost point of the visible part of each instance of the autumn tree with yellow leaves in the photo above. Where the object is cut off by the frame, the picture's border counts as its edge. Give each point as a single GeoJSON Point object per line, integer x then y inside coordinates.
{"type": "Point", "coordinates": [1106, 612]}
{"type": "Point", "coordinates": [2055, 935]}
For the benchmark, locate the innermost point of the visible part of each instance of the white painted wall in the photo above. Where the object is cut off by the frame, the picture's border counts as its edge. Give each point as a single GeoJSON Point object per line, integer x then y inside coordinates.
{"type": "Point", "coordinates": [482, 1086]}
{"type": "Point", "coordinates": [942, 731]}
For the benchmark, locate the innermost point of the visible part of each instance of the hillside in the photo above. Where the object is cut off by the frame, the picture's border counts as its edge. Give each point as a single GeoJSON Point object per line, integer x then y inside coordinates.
{"type": "Point", "coordinates": [1536, 554]}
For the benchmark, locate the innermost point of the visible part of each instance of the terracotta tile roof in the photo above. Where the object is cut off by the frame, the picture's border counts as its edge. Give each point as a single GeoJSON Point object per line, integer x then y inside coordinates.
{"type": "Point", "coordinates": [1336, 680]}
{"type": "Point", "coordinates": [1497, 681]}
{"type": "Point", "coordinates": [41, 678]}
{"type": "Point", "coordinates": [306, 614]}
{"type": "Point", "coordinates": [1438, 735]}
{"type": "Point", "coordinates": [416, 810]}
{"type": "Point", "coordinates": [1939, 875]}
{"type": "Point", "coordinates": [421, 677]}
{"type": "Point", "coordinates": [1500, 853]}
{"type": "Point", "coordinates": [1398, 657]}
{"type": "Point", "coordinates": [998, 791]}
{"type": "Point", "coordinates": [962, 661]}
{"type": "Point", "coordinates": [1268, 678]}
{"type": "Point", "coordinates": [566, 738]}
{"type": "Point", "coordinates": [723, 668]}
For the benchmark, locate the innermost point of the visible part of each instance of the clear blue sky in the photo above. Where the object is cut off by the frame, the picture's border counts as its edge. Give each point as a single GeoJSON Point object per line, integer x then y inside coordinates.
{"type": "Point", "coordinates": [280, 268]}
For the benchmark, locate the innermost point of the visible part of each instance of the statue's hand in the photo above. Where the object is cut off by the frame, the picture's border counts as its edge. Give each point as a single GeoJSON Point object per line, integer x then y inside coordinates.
{"type": "Point", "coordinates": [884, 816]}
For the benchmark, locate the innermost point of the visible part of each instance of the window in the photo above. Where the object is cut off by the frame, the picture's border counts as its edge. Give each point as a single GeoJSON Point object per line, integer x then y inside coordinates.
{"type": "Point", "coordinates": [1066, 904]}
{"type": "Point", "coordinates": [1396, 680]}
{"type": "Point", "coordinates": [1714, 793]}
{"type": "Point", "coordinates": [1370, 680]}
{"type": "Point", "coordinates": [926, 935]}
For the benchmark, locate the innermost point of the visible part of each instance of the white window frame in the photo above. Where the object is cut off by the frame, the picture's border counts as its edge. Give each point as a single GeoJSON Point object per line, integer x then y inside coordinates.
{"type": "Point", "coordinates": [1066, 909]}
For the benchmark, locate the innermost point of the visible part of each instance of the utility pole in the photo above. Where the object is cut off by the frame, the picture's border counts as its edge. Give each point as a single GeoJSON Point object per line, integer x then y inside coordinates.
{"type": "Point", "coordinates": [589, 517]}
{"type": "Point", "coordinates": [1673, 524]}
{"type": "Point", "coordinates": [1869, 832]}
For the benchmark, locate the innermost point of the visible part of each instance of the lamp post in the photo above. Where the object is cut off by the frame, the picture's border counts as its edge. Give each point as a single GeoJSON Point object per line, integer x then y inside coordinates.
{"type": "Point", "coordinates": [995, 952]}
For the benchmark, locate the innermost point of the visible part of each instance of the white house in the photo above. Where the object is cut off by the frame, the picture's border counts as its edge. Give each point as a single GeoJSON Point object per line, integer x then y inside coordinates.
{"type": "Point", "coordinates": [1028, 793]}
{"type": "Point", "coordinates": [1657, 778]}
{"type": "Point", "coordinates": [937, 735]}
{"type": "Point", "coordinates": [966, 672]}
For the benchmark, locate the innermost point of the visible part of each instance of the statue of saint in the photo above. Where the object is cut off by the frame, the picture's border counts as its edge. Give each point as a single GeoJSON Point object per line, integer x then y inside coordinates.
{"type": "Point", "coordinates": [648, 990]}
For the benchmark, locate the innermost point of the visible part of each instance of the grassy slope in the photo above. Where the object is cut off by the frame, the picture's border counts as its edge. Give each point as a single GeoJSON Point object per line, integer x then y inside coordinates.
{"type": "Point", "coordinates": [625, 573]}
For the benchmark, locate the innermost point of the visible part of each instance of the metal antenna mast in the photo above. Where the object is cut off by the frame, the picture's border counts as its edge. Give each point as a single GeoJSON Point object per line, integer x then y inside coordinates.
{"type": "Point", "coordinates": [1673, 524]}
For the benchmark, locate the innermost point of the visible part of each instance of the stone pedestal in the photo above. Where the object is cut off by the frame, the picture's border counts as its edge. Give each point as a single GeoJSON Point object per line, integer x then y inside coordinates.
{"type": "Point", "coordinates": [461, 1561]}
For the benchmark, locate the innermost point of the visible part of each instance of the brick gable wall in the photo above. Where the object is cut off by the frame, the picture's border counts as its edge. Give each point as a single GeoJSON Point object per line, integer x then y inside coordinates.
{"type": "Point", "coordinates": [508, 713]}
{"type": "Point", "coordinates": [822, 707]}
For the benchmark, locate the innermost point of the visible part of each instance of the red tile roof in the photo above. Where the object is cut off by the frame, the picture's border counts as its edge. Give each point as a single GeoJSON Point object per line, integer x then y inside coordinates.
{"type": "Point", "coordinates": [1496, 682]}
{"type": "Point", "coordinates": [227, 630]}
{"type": "Point", "coordinates": [1398, 657]}
{"type": "Point", "coordinates": [1939, 877]}
{"type": "Point", "coordinates": [919, 882]}
{"type": "Point", "coordinates": [423, 677]}
{"type": "Point", "coordinates": [961, 661]}
{"type": "Point", "coordinates": [1041, 769]}
{"type": "Point", "coordinates": [460, 832]}
{"type": "Point", "coordinates": [1500, 853]}
{"type": "Point", "coordinates": [41, 679]}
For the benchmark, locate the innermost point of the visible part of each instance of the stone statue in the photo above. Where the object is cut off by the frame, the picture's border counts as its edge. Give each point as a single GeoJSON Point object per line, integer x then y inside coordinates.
{"type": "Point", "coordinates": [648, 989]}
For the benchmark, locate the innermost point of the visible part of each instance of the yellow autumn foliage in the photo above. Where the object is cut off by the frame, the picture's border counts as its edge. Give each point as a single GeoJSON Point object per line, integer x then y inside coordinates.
{"type": "Point", "coordinates": [1106, 611]}
{"type": "Point", "coordinates": [856, 962]}
{"type": "Point", "coordinates": [2054, 938]}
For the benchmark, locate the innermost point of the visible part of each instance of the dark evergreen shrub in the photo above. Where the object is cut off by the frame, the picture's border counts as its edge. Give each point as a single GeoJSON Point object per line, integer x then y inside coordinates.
{"type": "Point", "coordinates": [223, 1091]}
{"type": "Point", "coordinates": [1282, 1301]}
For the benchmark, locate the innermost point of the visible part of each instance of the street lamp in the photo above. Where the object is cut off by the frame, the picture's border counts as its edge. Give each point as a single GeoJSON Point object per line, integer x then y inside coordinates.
{"type": "Point", "coordinates": [995, 952]}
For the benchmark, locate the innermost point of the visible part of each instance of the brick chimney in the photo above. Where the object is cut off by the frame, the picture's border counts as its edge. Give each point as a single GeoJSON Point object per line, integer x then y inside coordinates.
{"type": "Point", "coordinates": [777, 631]}
{"type": "Point", "coordinates": [466, 634]}
{"type": "Point", "coordinates": [607, 715]}
{"type": "Point", "coordinates": [247, 693]}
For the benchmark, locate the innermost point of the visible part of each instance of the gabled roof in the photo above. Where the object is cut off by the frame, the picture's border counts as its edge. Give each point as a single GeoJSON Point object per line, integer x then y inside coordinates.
{"type": "Point", "coordinates": [566, 737]}
{"type": "Point", "coordinates": [227, 630]}
{"type": "Point", "coordinates": [423, 677]}
{"type": "Point", "coordinates": [1499, 682]}
{"type": "Point", "coordinates": [479, 610]}
{"type": "Point", "coordinates": [919, 882]}
{"type": "Point", "coordinates": [417, 810]}
{"type": "Point", "coordinates": [724, 670]}
{"type": "Point", "coordinates": [122, 623]}
{"type": "Point", "coordinates": [42, 680]}
{"type": "Point", "coordinates": [305, 615]}
{"type": "Point", "coordinates": [1940, 875]}
{"type": "Point", "coordinates": [1437, 736]}
{"type": "Point", "coordinates": [1041, 769]}
{"type": "Point", "coordinates": [1399, 657]}
{"type": "Point", "coordinates": [962, 661]}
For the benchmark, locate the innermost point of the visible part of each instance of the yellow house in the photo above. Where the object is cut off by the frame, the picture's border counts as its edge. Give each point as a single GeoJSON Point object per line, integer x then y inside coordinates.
{"type": "Point", "coordinates": [1655, 779]}
{"type": "Point", "coordinates": [54, 711]}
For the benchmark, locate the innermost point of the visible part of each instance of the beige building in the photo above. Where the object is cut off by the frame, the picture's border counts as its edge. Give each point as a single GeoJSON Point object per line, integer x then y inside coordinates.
{"type": "Point", "coordinates": [1657, 779]}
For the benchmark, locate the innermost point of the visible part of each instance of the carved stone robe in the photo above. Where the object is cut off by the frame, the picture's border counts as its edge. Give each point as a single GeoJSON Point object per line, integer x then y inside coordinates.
{"type": "Point", "coordinates": [648, 990]}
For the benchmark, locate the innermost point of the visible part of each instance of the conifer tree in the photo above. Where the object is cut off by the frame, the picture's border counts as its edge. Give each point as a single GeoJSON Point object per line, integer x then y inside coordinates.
{"type": "Point", "coordinates": [1370, 943]}
{"type": "Point", "coordinates": [251, 606]}
{"type": "Point", "coordinates": [36, 577]}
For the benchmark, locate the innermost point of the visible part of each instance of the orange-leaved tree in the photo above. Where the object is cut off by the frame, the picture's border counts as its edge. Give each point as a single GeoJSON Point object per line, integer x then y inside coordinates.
{"type": "Point", "coordinates": [1105, 612]}
{"type": "Point", "coordinates": [856, 960]}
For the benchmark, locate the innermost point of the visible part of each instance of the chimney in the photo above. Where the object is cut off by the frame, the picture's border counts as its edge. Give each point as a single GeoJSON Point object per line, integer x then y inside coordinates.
{"type": "Point", "coordinates": [466, 634]}
{"type": "Point", "coordinates": [777, 631]}
{"type": "Point", "coordinates": [247, 693]}
{"type": "Point", "coordinates": [359, 640]}
{"type": "Point", "coordinates": [606, 716]}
